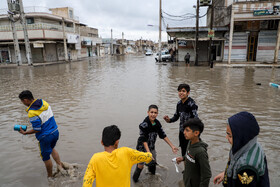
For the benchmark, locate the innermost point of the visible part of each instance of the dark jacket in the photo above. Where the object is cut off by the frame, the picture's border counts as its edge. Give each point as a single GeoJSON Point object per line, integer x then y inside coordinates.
{"type": "Point", "coordinates": [197, 169]}
{"type": "Point", "coordinates": [247, 165]}
{"type": "Point", "coordinates": [185, 111]}
{"type": "Point", "coordinates": [148, 133]}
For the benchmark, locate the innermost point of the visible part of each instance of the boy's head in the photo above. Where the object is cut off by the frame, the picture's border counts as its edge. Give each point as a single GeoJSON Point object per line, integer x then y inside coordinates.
{"type": "Point", "coordinates": [193, 128]}
{"type": "Point", "coordinates": [183, 91]}
{"type": "Point", "coordinates": [111, 136]}
{"type": "Point", "coordinates": [242, 127]}
{"type": "Point", "coordinates": [152, 112]}
{"type": "Point", "coordinates": [26, 97]}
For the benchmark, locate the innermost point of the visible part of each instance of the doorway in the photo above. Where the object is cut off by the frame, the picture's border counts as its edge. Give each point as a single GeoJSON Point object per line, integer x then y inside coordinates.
{"type": "Point", "coordinates": [252, 46]}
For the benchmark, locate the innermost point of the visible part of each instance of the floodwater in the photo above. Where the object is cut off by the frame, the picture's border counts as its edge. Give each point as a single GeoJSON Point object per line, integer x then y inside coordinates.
{"type": "Point", "coordinates": [88, 95]}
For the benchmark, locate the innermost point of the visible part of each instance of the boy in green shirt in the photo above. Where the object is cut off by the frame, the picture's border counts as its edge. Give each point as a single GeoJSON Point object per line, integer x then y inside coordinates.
{"type": "Point", "coordinates": [197, 169]}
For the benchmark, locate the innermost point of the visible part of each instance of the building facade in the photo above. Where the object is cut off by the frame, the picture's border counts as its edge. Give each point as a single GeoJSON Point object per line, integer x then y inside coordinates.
{"type": "Point", "coordinates": [183, 42]}
{"type": "Point", "coordinates": [54, 35]}
{"type": "Point", "coordinates": [254, 29]}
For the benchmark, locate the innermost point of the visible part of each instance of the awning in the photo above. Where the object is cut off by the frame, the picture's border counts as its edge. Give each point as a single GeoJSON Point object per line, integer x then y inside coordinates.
{"type": "Point", "coordinates": [203, 39]}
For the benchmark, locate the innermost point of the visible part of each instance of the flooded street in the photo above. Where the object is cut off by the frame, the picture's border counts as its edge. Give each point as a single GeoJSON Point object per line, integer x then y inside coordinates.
{"type": "Point", "coordinates": [88, 95]}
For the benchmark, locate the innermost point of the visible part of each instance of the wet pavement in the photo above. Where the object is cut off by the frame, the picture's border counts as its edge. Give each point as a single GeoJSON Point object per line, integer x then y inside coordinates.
{"type": "Point", "coordinates": [86, 96]}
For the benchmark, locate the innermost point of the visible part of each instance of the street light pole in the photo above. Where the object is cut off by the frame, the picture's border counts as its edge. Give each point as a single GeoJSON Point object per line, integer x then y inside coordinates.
{"type": "Point", "coordinates": [159, 40]}
{"type": "Point", "coordinates": [196, 33]}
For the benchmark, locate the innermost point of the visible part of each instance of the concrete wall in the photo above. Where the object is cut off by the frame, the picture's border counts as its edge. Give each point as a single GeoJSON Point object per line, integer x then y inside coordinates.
{"type": "Point", "coordinates": [64, 12]}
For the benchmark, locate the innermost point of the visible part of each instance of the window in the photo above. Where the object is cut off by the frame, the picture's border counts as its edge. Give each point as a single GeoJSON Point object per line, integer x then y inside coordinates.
{"type": "Point", "coordinates": [272, 24]}
{"type": "Point", "coordinates": [71, 14]}
{"type": "Point", "coordinates": [30, 20]}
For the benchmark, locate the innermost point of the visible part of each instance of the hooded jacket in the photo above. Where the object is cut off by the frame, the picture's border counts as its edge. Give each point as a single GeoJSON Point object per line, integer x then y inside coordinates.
{"type": "Point", "coordinates": [148, 133]}
{"type": "Point", "coordinates": [247, 165]}
{"type": "Point", "coordinates": [197, 169]}
{"type": "Point", "coordinates": [185, 111]}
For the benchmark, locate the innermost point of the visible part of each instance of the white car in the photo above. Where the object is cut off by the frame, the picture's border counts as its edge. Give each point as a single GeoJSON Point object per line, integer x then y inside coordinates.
{"type": "Point", "coordinates": [149, 53]}
{"type": "Point", "coordinates": [165, 56]}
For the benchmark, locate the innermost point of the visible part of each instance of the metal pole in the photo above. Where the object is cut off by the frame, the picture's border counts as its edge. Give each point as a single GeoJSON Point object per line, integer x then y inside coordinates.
{"type": "Point", "coordinates": [230, 34]}
{"type": "Point", "coordinates": [196, 33]}
{"type": "Point", "coordinates": [210, 60]}
{"type": "Point", "coordinates": [122, 43]}
{"type": "Point", "coordinates": [276, 51]}
{"type": "Point", "coordinates": [26, 39]}
{"type": "Point", "coordinates": [159, 37]}
{"type": "Point", "coordinates": [64, 41]}
{"type": "Point", "coordinates": [112, 50]}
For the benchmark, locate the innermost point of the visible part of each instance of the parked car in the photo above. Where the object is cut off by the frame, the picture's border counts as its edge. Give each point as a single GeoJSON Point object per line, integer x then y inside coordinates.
{"type": "Point", "coordinates": [165, 56]}
{"type": "Point", "coordinates": [149, 52]}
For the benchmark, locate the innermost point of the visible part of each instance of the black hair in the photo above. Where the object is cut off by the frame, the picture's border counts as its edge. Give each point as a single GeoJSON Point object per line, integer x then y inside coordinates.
{"type": "Point", "coordinates": [152, 106]}
{"type": "Point", "coordinates": [110, 135]}
{"type": "Point", "coordinates": [26, 94]}
{"type": "Point", "coordinates": [186, 86]}
{"type": "Point", "coordinates": [194, 124]}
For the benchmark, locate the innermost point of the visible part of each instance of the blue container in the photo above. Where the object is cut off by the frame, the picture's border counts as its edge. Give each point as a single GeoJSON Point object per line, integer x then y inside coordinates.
{"type": "Point", "coordinates": [17, 127]}
{"type": "Point", "coordinates": [274, 85]}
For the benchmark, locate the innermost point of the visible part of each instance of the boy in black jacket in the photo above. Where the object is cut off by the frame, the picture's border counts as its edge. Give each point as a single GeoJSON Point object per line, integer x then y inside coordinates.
{"type": "Point", "coordinates": [185, 109]}
{"type": "Point", "coordinates": [149, 129]}
{"type": "Point", "coordinates": [197, 169]}
{"type": "Point", "coordinates": [247, 165]}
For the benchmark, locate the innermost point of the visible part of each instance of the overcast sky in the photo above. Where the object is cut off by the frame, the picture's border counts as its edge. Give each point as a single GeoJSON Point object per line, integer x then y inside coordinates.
{"type": "Point", "coordinates": [129, 16]}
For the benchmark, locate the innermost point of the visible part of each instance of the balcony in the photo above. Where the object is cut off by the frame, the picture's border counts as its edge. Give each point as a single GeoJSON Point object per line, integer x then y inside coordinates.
{"type": "Point", "coordinates": [35, 31]}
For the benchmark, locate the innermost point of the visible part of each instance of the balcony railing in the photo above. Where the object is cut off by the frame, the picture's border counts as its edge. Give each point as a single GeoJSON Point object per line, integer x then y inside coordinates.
{"type": "Point", "coordinates": [37, 26]}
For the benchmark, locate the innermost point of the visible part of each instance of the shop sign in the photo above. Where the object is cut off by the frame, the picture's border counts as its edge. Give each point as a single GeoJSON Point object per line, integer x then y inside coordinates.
{"type": "Point", "coordinates": [72, 38]}
{"type": "Point", "coordinates": [182, 43]}
{"type": "Point", "coordinates": [211, 33]}
{"type": "Point", "coordinates": [274, 11]}
{"type": "Point", "coordinates": [38, 45]}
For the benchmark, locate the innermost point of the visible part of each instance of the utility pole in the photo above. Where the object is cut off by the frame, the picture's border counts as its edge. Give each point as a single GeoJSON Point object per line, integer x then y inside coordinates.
{"type": "Point", "coordinates": [64, 41]}
{"type": "Point", "coordinates": [196, 33]}
{"type": "Point", "coordinates": [276, 50]}
{"type": "Point", "coordinates": [122, 43]}
{"type": "Point", "coordinates": [230, 34]}
{"type": "Point", "coordinates": [159, 37]}
{"type": "Point", "coordinates": [14, 9]}
{"type": "Point", "coordinates": [25, 33]}
{"type": "Point", "coordinates": [210, 60]}
{"type": "Point", "coordinates": [111, 47]}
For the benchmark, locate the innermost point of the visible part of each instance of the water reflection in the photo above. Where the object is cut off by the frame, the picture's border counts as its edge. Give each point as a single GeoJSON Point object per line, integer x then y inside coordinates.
{"type": "Point", "coordinates": [88, 95]}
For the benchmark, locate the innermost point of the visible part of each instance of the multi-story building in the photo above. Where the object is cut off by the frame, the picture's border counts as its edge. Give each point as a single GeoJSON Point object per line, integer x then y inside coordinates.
{"type": "Point", "coordinates": [52, 33]}
{"type": "Point", "coordinates": [143, 45]}
{"type": "Point", "coordinates": [254, 33]}
{"type": "Point", "coordinates": [90, 42]}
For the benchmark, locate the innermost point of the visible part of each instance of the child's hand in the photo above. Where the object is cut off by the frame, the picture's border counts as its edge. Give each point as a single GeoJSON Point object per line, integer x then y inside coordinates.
{"type": "Point", "coordinates": [219, 178]}
{"type": "Point", "coordinates": [175, 150]}
{"type": "Point", "coordinates": [167, 119]}
{"type": "Point", "coordinates": [21, 131]}
{"type": "Point", "coordinates": [179, 160]}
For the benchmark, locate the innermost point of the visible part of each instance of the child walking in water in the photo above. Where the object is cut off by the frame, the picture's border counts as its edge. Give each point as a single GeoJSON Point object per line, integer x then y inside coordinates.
{"type": "Point", "coordinates": [149, 129]}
